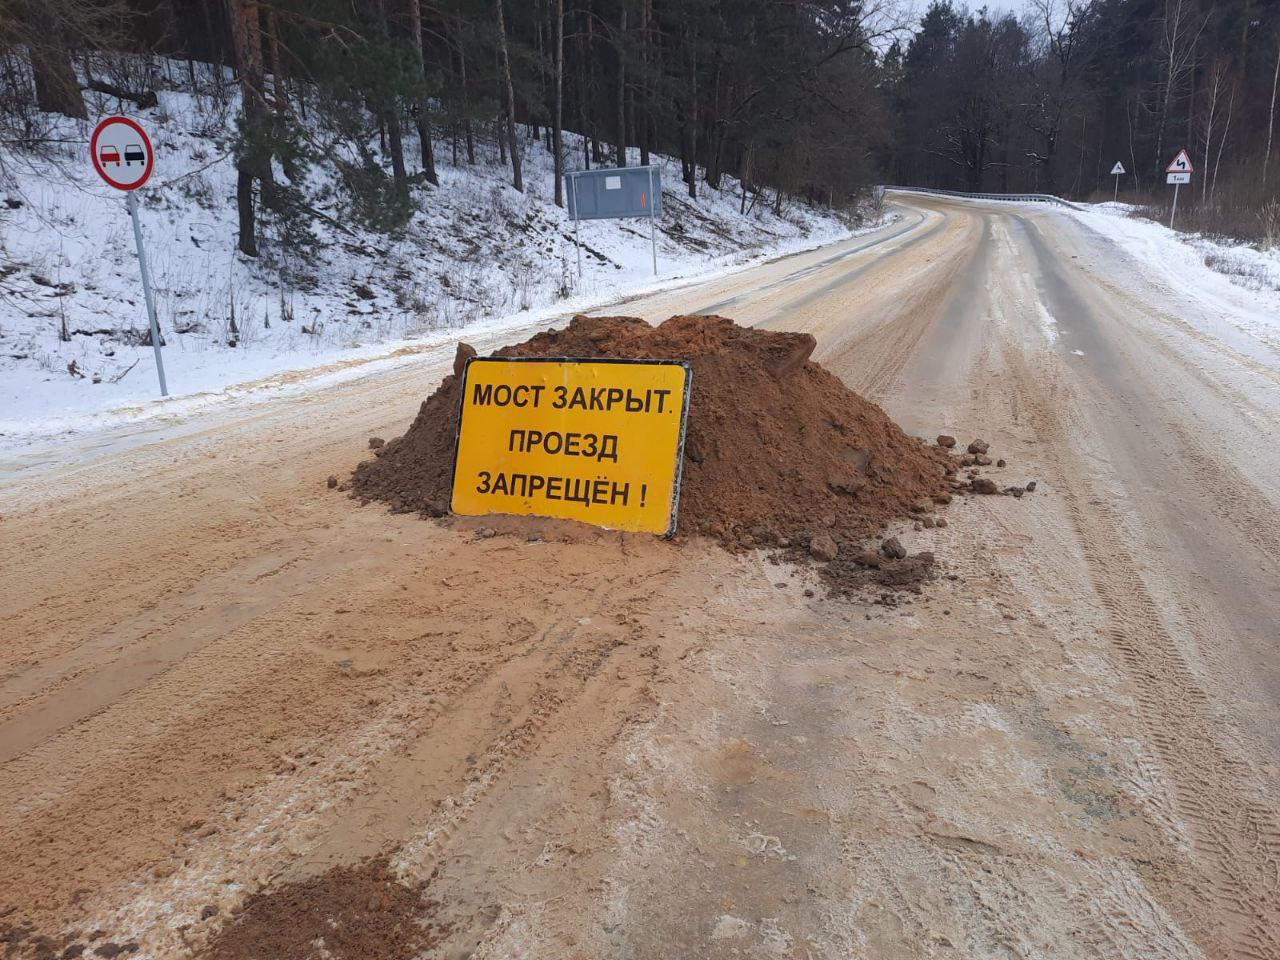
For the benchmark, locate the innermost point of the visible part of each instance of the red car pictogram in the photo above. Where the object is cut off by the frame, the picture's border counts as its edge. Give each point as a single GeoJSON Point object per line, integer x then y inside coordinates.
{"type": "Point", "coordinates": [109, 155]}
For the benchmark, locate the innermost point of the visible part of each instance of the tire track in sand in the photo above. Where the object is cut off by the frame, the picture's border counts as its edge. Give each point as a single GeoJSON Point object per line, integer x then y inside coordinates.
{"type": "Point", "coordinates": [1236, 836]}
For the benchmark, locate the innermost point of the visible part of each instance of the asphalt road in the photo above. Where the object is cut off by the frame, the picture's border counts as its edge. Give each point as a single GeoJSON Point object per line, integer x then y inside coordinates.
{"type": "Point", "coordinates": [218, 677]}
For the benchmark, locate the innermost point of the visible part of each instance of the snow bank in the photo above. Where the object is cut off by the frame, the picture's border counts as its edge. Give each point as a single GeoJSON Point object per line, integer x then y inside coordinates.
{"type": "Point", "coordinates": [477, 255]}
{"type": "Point", "coordinates": [1235, 282]}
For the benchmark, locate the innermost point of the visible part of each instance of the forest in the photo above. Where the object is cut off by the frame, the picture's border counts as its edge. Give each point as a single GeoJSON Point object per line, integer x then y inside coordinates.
{"type": "Point", "coordinates": [812, 100]}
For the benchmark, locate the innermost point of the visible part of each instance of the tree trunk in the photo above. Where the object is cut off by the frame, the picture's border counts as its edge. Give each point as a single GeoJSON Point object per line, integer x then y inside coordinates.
{"type": "Point", "coordinates": [1271, 115]}
{"type": "Point", "coordinates": [248, 242]}
{"type": "Point", "coordinates": [390, 112]}
{"type": "Point", "coordinates": [278, 95]}
{"type": "Point", "coordinates": [212, 37]}
{"type": "Point", "coordinates": [1208, 132]}
{"type": "Point", "coordinates": [640, 100]}
{"type": "Point", "coordinates": [251, 164]}
{"type": "Point", "coordinates": [517, 179]}
{"type": "Point", "coordinates": [398, 171]}
{"type": "Point", "coordinates": [693, 125]}
{"type": "Point", "coordinates": [622, 91]}
{"type": "Point", "coordinates": [420, 116]}
{"type": "Point", "coordinates": [468, 136]}
{"type": "Point", "coordinates": [57, 90]}
{"type": "Point", "coordinates": [1222, 144]}
{"type": "Point", "coordinates": [557, 151]}
{"type": "Point", "coordinates": [715, 134]}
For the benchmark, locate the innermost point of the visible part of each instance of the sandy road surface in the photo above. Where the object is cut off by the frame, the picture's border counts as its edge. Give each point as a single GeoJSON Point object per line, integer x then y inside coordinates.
{"type": "Point", "coordinates": [218, 677]}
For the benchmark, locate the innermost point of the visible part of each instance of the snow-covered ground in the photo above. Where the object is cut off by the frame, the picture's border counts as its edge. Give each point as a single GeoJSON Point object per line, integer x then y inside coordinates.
{"type": "Point", "coordinates": [1241, 263]}
{"type": "Point", "coordinates": [1235, 287]}
{"type": "Point", "coordinates": [477, 256]}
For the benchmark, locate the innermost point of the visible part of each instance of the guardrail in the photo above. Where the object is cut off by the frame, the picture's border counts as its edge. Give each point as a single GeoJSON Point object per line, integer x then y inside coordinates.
{"type": "Point", "coordinates": [1011, 197]}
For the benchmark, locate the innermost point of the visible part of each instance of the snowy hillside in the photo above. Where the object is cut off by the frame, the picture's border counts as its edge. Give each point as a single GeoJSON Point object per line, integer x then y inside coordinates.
{"type": "Point", "coordinates": [477, 252]}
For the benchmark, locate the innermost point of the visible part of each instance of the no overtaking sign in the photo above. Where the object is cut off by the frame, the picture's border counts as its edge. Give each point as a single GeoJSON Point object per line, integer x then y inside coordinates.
{"type": "Point", "coordinates": [121, 153]}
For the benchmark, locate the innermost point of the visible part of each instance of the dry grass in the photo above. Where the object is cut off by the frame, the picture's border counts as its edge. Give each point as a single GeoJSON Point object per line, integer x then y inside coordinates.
{"type": "Point", "coordinates": [1239, 207]}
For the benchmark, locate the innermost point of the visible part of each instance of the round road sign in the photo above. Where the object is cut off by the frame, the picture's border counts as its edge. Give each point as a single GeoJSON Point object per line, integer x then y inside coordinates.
{"type": "Point", "coordinates": [121, 153]}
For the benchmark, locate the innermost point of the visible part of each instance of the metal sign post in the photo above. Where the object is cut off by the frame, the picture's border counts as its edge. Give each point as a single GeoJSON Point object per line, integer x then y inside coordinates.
{"type": "Point", "coordinates": [1117, 171]}
{"type": "Point", "coordinates": [121, 153]}
{"type": "Point", "coordinates": [577, 219]}
{"type": "Point", "coordinates": [131, 201]}
{"type": "Point", "coordinates": [1178, 173]}
{"type": "Point", "coordinates": [653, 230]}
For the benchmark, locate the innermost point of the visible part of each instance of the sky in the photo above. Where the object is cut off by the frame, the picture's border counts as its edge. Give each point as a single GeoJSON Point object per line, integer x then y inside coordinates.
{"type": "Point", "coordinates": [995, 7]}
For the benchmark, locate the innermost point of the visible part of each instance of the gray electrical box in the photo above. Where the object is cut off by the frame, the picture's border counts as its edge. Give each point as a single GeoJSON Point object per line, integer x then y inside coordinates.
{"type": "Point", "coordinates": [612, 192]}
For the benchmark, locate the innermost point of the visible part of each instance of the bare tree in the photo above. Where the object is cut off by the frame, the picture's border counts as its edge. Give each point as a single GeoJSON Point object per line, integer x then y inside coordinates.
{"type": "Point", "coordinates": [1222, 142]}
{"type": "Point", "coordinates": [1215, 87]}
{"type": "Point", "coordinates": [1271, 113]}
{"type": "Point", "coordinates": [1057, 78]}
{"type": "Point", "coordinates": [1179, 33]}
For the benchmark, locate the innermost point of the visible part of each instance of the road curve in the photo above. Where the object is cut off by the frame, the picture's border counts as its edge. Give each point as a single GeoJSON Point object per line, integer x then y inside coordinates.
{"type": "Point", "coordinates": [218, 677]}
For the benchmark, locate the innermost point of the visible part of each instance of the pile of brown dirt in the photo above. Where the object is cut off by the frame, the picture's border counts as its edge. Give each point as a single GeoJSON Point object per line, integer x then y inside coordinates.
{"type": "Point", "coordinates": [347, 913]}
{"type": "Point", "coordinates": [777, 451]}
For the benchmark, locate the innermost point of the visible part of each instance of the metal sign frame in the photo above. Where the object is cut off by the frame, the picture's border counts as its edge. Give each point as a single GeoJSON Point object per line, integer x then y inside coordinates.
{"type": "Point", "coordinates": [654, 204]}
{"type": "Point", "coordinates": [684, 420]}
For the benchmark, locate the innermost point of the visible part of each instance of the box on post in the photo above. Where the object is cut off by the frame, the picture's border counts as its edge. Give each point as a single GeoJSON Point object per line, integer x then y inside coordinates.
{"type": "Point", "coordinates": [599, 441]}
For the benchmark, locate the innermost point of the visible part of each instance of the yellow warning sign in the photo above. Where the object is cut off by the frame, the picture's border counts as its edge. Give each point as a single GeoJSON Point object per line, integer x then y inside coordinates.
{"type": "Point", "coordinates": [599, 441]}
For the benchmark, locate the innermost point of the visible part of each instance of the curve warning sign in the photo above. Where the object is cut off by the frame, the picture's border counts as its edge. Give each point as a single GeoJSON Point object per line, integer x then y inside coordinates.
{"type": "Point", "coordinates": [600, 441]}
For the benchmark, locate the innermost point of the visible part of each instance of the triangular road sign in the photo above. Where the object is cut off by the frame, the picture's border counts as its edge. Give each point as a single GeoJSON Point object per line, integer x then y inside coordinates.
{"type": "Point", "coordinates": [1117, 169]}
{"type": "Point", "coordinates": [1181, 163]}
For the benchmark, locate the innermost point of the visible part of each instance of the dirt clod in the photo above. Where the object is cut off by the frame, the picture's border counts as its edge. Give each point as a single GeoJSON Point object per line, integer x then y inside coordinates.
{"type": "Point", "coordinates": [376, 442]}
{"type": "Point", "coordinates": [332, 482]}
{"type": "Point", "coordinates": [776, 445]}
{"type": "Point", "coordinates": [465, 352]}
{"type": "Point", "coordinates": [823, 548]}
{"type": "Point", "coordinates": [945, 441]}
{"type": "Point", "coordinates": [893, 549]}
{"type": "Point", "coordinates": [983, 485]}
{"type": "Point", "coordinates": [1031, 486]}
{"type": "Point", "coordinates": [979, 446]}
